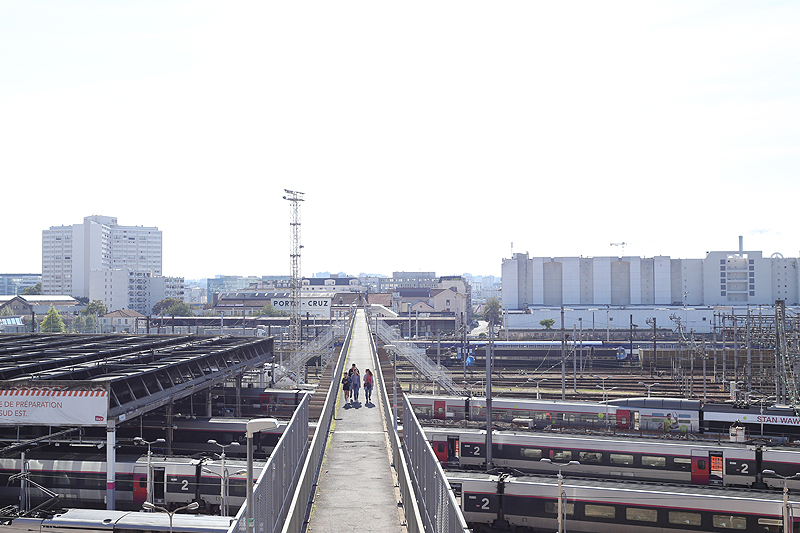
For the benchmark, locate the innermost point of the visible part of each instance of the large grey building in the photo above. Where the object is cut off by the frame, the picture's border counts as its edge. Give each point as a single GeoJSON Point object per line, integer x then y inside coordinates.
{"type": "Point", "coordinates": [724, 278]}
{"type": "Point", "coordinates": [71, 253]}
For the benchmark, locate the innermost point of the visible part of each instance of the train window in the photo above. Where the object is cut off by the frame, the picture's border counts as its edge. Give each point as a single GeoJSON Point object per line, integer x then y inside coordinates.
{"type": "Point", "coordinates": [621, 459]}
{"type": "Point", "coordinates": [542, 416]}
{"type": "Point", "coordinates": [729, 521]}
{"type": "Point", "coordinates": [682, 463]}
{"type": "Point", "coordinates": [422, 410]}
{"type": "Point", "coordinates": [521, 414]}
{"type": "Point", "coordinates": [599, 511]}
{"type": "Point", "coordinates": [590, 457]}
{"type": "Point", "coordinates": [552, 507]}
{"type": "Point", "coordinates": [561, 455]}
{"type": "Point", "coordinates": [770, 525]}
{"type": "Point", "coordinates": [685, 519]}
{"type": "Point", "coordinates": [641, 515]}
{"type": "Point", "coordinates": [654, 461]}
{"type": "Point", "coordinates": [530, 453]}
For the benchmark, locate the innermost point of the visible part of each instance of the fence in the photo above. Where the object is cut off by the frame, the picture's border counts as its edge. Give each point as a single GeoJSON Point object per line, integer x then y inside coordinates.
{"type": "Point", "coordinates": [438, 504]}
{"type": "Point", "coordinates": [273, 491]}
{"type": "Point", "coordinates": [300, 508]}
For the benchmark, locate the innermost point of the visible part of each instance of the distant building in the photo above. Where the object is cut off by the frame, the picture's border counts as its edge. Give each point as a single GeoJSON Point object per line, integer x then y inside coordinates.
{"type": "Point", "coordinates": [125, 288]}
{"type": "Point", "coordinates": [122, 321]}
{"type": "Point", "coordinates": [11, 284]}
{"type": "Point", "coordinates": [71, 253]}
{"type": "Point", "coordinates": [726, 278]}
{"type": "Point", "coordinates": [39, 304]}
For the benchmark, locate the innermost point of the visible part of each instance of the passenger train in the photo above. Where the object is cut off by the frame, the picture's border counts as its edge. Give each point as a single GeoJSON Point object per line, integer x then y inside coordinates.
{"type": "Point", "coordinates": [615, 457]}
{"type": "Point", "coordinates": [80, 480]}
{"type": "Point", "coordinates": [531, 504]}
{"type": "Point", "coordinates": [94, 521]}
{"type": "Point", "coordinates": [637, 415]}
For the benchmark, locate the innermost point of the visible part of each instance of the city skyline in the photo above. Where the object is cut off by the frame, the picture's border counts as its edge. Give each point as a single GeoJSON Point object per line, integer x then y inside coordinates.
{"type": "Point", "coordinates": [426, 137]}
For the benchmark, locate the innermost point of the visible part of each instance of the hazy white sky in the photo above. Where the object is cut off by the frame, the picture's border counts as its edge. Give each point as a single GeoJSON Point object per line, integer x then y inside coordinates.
{"type": "Point", "coordinates": [425, 135]}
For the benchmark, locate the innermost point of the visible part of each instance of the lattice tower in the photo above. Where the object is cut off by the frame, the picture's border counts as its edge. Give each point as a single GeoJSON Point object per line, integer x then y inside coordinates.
{"type": "Point", "coordinates": [296, 282]}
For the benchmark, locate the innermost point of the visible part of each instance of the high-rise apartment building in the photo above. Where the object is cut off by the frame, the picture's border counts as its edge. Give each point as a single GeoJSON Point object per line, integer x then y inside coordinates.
{"type": "Point", "coordinates": [70, 253]}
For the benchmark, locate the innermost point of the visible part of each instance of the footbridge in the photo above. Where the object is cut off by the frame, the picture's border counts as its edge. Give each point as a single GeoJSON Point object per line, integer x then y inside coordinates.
{"type": "Point", "coordinates": [356, 472]}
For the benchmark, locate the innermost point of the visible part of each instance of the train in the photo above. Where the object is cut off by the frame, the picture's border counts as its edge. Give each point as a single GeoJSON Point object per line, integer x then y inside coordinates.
{"type": "Point", "coordinates": [80, 480]}
{"type": "Point", "coordinates": [531, 504]}
{"type": "Point", "coordinates": [615, 457]}
{"type": "Point", "coordinates": [625, 415]}
{"type": "Point", "coordinates": [92, 521]}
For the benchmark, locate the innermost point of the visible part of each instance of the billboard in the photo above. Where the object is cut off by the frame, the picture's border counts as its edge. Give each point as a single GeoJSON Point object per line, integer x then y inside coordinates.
{"type": "Point", "coordinates": [53, 406]}
{"type": "Point", "coordinates": [320, 307]}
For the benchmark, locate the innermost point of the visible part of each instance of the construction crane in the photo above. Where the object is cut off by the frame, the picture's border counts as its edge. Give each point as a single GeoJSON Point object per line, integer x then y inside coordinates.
{"type": "Point", "coordinates": [620, 244]}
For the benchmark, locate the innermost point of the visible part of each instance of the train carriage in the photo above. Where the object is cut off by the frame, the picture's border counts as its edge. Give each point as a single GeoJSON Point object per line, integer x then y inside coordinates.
{"type": "Point", "coordinates": [614, 507]}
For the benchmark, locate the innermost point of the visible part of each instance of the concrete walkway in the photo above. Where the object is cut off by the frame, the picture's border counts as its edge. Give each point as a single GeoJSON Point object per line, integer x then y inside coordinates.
{"type": "Point", "coordinates": [356, 490]}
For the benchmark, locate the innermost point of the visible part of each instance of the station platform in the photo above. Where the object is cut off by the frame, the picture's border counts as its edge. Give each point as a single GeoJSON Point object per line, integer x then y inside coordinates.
{"type": "Point", "coordinates": [357, 487]}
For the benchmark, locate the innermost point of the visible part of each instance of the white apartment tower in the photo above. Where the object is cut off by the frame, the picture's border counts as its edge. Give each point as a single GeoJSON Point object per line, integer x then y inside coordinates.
{"type": "Point", "coordinates": [70, 253]}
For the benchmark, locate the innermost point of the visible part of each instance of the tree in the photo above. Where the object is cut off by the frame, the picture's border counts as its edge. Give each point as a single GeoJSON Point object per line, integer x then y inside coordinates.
{"type": "Point", "coordinates": [95, 307]}
{"type": "Point", "coordinates": [179, 309]}
{"type": "Point", "coordinates": [547, 323]}
{"type": "Point", "coordinates": [491, 311]}
{"type": "Point", "coordinates": [269, 310]}
{"type": "Point", "coordinates": [77, 324]}
{"type": "Point", "coordinates": [52, 322]}
{"type": "Point", "coordinates": [162, 306]}
{"type": "Point", "coordinates": [33, 290]}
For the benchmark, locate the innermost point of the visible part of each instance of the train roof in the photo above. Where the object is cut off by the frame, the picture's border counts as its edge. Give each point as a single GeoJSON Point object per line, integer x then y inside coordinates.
{"type": "Point", "coordinates": [134, 520]}
{"type": "Point", "coordinates": [694, 492]}
{"type": "Point", "coordinates": [658, 403]}
{"type": "Point", "coordinates": [551, 438]}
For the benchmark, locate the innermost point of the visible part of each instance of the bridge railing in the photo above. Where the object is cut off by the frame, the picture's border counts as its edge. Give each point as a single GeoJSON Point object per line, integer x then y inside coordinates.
{"type": "Point", "coordinates": [300, 508]}
{"type": "Point", "coordinates": [276, 484]}
{"type": "Point", "coordinates": [438, 504]}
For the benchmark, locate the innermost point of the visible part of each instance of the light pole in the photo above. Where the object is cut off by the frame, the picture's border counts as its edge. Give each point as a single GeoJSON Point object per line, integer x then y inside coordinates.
{"type": "Point", "coordinates": [561, 509]}
{"type": "Point", "coordinates": [605, 390]}
{"type": "Point", "coordinates": [223, 491]}
{"type": "Point", "coordinates": [141, 441]}
{"type": "Point", "coordinates": [787, 527]}
{"type": "Point", "coordinates": [648, 387]}
{"type": "Point", "coordinates": [393, 349]}
{"type": "Point", "coordinates": [537, 381]}
{"type": "Point", "coordinates": [150, 507]}
{"type": "Point", "coordinates": [254, 426]}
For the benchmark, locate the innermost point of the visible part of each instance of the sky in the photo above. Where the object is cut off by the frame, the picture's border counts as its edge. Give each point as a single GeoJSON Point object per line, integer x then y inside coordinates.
{"type": "Point", "coordinates": [426, 136]}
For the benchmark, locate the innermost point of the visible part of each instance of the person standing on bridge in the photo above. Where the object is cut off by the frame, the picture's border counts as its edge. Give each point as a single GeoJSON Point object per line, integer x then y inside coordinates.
{"type": "Point", "coordinates": [355, 384]}
{"type": "Point", "coordinates": [367, 385]}
{"type": "Point", "coordinates": [350, 380]}
{"type": "Point", "coordinates": [346, 388]}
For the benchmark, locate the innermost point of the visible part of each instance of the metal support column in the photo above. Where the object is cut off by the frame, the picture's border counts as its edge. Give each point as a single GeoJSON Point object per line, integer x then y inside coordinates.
{"type": "Point", "coordinates": [111, 464]}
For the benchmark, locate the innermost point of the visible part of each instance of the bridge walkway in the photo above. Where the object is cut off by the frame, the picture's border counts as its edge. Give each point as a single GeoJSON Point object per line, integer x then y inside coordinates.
{"type": "Point", "coordinates": [357, 488]}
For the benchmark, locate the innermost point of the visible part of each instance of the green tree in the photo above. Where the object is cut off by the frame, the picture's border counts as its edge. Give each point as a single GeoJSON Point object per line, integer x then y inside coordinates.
{"type": "Point", "coordinates": [547, 323]}
{"type": "Point", "coordinates": [95, 307]}
{"type": "Point", "coordinates": [269, 310]}
{"type": "Point", "coordinates": [491, 311]}
{"type": "Point", "coordinates": [165, 304]}
{"type": "Point", "coordinates": [33, 290]}
{"type": "Point", "coordinates": [52, 322]}
{"type": "Point", "coordinates": [77, 324]}
{"type": "Point", "coordinates": [90, 324]}
{"type": "Point", "coordinates": [179, 309]}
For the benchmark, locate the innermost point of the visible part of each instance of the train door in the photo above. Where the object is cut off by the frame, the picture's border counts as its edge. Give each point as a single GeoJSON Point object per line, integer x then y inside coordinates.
{"type": "Point", "coordinates": [700, 467]}
{"type": "Point", "coordinates": [446, 450]}
{"type": "Point", "coordinates": [159, 481]}
{"type": "Point", "coordinates": [139, 487]}
{"type": "Point", "coordinates": [715, 468]}
{"type": "Point", "coordinates": [439, 410]}
{"type": "Point", "coordinates": [623, 419]}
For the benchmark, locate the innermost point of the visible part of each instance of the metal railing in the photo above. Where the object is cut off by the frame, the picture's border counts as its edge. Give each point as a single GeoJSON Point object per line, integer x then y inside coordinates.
{"type": "Point", "coordinates": [438, 503]}
{"type": "Point", "coordinates": [417, 357]}
{"type": "Point", "coordinates": [272, 493]}
{"type": "Point", "coordinates": [414, 521]}
{"type": "Point", "coordinates": [300, 508]}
